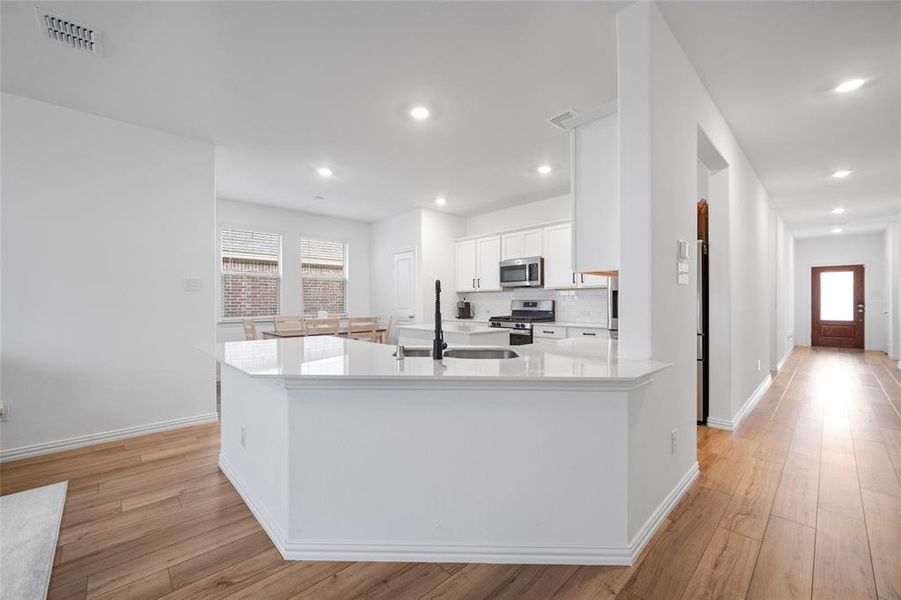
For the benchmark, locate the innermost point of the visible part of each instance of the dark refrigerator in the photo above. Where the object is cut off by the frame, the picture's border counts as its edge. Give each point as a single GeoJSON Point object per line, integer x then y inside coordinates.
{"type": "Point", "coordinates": [703, 342]}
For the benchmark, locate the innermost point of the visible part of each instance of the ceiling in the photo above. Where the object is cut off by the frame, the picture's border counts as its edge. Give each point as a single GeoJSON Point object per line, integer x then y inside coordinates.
{"type": "Point", "coordinates": [282, 88]}
{"type": "Point", "coordinates": [771, 67]}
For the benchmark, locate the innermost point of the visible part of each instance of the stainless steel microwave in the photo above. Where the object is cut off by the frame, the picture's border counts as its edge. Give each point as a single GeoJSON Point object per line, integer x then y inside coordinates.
{"type": "Point", "coordinates": [522, 272]}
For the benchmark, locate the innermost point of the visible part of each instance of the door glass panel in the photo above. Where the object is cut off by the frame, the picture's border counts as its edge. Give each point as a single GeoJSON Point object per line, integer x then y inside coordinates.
{"type": "Point", "coordinates": [837, 296]}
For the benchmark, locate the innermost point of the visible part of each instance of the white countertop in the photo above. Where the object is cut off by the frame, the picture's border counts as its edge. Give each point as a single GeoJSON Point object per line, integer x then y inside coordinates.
{"type": "Point", "coordinates": [326, 358]}
{"type": "Point", "coordinates": [551, 323]}
{"type": "Point", "coordinates": [453, 327]}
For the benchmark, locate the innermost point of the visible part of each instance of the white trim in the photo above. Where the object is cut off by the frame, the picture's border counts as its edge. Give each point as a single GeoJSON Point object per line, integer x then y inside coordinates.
{"type": "Point", "coordinates": [268, 524]}
{"type": "Point", "coordinates": [784, 358]}
{"type": "Point", "coordinates": [748, 406]}
{"type": "Point", "coordinates": [341, 550]}
{"type": "Point", "coordinates": [105, 436]}
{"type": "Point", "coordinates": [650, 527]}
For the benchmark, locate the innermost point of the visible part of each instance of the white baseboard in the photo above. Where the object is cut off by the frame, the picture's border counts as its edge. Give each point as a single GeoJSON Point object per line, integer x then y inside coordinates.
{"type": "Point", "coordinates": [650, 527]}
{"type": "Point", "coordinates": [748, 406]}
{"type": "Point", "coordinates": [784, 358]}
{"type": "Point", "coordinates": [104, 436]}
{"type": "Point", "coordinates": [342, 550]}
{"type": "Point", "coordinates": [268, 524]}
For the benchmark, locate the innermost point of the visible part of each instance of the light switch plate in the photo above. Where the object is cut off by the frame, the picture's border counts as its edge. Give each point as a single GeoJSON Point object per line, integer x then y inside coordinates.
{"type": "Point", "coordinates": [192, 284]}
{"type": "Point", "coordinates": [684, 250]}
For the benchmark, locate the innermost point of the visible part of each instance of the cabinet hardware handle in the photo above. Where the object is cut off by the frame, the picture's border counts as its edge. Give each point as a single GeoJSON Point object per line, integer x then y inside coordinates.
{"type": "Point", "coordinates": [574, 279]}
{"type": "Point", "coordinates": [543, 331]}
{"type": "Point", "coordinates": [582, 277]}
{"type": "Point", "coordinates": [586, 333]}
{"type": "Point", "coordinates": [479, 282]}
{"type": "Point", "coordinates": [473, 282]}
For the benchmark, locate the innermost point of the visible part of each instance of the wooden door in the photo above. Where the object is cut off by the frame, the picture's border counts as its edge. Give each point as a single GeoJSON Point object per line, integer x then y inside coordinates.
{"type": "Point", "coordinates": [837, 306]}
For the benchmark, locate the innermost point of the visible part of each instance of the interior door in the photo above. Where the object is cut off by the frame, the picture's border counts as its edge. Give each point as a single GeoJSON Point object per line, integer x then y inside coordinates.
{"type": "Point", "coordinates": [403, 302]}
{"type": "Point", "coordinates": [837, 306]}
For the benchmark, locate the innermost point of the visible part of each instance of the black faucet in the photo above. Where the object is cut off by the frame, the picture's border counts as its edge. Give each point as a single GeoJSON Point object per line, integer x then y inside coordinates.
{"type": "Point", "coordinates": [438, 344]}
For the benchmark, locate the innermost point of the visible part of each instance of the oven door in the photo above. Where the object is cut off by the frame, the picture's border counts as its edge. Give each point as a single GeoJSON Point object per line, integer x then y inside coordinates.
{"type": "Point", "coordinates": [520, 337]}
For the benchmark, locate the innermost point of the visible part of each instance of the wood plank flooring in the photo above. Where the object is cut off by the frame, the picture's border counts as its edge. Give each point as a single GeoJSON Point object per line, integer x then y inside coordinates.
{"type": "Point", "coordinates": [802, 501]}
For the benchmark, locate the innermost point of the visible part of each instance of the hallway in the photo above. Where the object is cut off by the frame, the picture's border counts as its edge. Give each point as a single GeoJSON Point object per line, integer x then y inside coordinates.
{"type": "Point", "coordinates": [803, 501]}
{"type": "Point", "coordinates": [805, 493]}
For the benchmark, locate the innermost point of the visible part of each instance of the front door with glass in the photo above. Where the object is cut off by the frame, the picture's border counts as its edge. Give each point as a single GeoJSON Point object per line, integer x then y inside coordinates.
{"type": "Point", "coordinates": [837, 306]}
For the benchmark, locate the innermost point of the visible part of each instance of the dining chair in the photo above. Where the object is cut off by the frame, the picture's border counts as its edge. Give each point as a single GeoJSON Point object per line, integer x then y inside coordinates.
{"type": "Point", "coordinates": [391, 334]}
{"type": "Point", "coordinates": [363, 328]}
{"type": "Point", "coordinates": [250, 330]}
{"type": "Point", "coordinates": [321, 326]}
{"type": "Point", "coordinates": [288, 323]}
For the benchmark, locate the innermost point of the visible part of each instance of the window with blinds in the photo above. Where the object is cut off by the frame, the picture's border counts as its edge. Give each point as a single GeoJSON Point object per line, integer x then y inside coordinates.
{"type": "Point", "coordinates": [251, 273]}
{"type": "Point", "coordinates": [323, 271]}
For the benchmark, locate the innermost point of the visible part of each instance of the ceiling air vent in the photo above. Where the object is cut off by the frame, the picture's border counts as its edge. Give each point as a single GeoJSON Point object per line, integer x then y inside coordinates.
{"type": "Point", "coordinates": [65, 31]}
{"type": "Point", "coordinates": [561, 118]}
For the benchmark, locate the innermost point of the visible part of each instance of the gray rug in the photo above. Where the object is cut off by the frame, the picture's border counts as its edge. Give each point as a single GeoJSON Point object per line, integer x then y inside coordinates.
{"type": "Point", "coordinates": [29, 528]}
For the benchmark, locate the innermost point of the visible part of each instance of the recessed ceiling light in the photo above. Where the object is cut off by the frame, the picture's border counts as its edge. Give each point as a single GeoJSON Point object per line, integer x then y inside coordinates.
{"type": "Point", "coordinates": [544, 170]}
{"type": "Point", "coordinates": [841, 174]}
{"type": "Point", "coordinates": [420, 113]}
{"type": "Point", "coordinates": [849, 85]}
{"type": "Point", "coordinates": [324, 172]}
{"type": "Point", "coordinates": [440, 201]}
{"type": "Point", "coordinates": [838, 210]}
{"type": "Point", "coordinates": [836, 230]}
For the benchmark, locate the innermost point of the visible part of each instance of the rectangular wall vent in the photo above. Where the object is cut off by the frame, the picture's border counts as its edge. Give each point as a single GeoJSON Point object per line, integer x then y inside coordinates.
{"type": "Point", "coordinates": [559, 120]}
{"type": "Point", "coordinates": [65, 31]}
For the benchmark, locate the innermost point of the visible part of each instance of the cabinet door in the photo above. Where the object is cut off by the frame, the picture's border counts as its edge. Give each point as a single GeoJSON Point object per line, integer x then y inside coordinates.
{"type": "Point", "coordinates": [558, 257]}
{"type": "Point", "coordinates": [595, 195]}
{"type": "Point", "coordinates": [466, 266]}
{"type": "Point", "coordinates": [512, 245]}
{"type": "Point", "coordinates": [589, 281]}
{"type": "Point", "coordinates": [488, 253]}
{"type": "Point", "coordinates": [532, 243]}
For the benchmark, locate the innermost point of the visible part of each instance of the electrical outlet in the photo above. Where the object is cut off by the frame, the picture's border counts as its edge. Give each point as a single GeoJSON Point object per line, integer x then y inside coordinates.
{"type": "Point", "coordinates": [673, 441]}
{"type": "Point", "coordinates": [758, 364]}
{"type": "Point", "coordinates": [243, 437]}
{"type": "Point", "coordinates": [4, 412]}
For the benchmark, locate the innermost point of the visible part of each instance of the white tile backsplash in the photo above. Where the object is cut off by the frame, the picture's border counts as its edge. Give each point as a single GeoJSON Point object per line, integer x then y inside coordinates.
{"type": "Point", "coordinates": [579, 306]}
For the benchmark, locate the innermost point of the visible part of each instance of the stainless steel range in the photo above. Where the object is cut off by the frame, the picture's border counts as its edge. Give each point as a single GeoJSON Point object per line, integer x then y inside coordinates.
{"type": "Point", "coordinates": [523, 314]}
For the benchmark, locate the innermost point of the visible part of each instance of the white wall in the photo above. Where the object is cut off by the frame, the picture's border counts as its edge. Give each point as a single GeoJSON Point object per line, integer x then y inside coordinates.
{"type": "Point", "coordinates": [867, 250]}
{"type": "Point", "coordinates": [439, 230]}
{"type": "Point", "coordinates": [394, 234]}
{"type": "Point", "coordinates": [557, 208]}
{"type": "Point", "coordinates": [292, 225]}
{"type": "Point", "coordinates": [663, 104]}
{"type": "Point", "coordinates": [102, 220]}
{"type": "Point", "coordinates": [783, 297]}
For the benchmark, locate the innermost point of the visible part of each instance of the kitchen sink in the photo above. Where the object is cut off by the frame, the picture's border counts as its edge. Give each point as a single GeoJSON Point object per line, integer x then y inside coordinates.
{"type": "Point", "coordinates": [485, 353]}
{"type": "Point", "coordinates": [470, 353]}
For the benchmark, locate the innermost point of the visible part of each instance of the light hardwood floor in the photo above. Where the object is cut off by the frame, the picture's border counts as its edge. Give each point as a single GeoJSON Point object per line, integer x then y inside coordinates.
{"type": "Point", "coordinates": [803, 501]}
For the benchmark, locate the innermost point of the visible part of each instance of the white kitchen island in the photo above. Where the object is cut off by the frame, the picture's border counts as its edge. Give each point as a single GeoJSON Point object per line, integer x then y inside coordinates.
{"type": "Point", "coordinates": [345, 453]}
{"type": "Point", "coordinates": [458, 334]}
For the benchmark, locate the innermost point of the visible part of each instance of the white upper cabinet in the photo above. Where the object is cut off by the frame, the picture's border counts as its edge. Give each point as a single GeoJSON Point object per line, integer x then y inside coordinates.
{"type": "Point", "coordinates": [477, 264]}
{"type": "Point", "coordinates": [595, 195]}
{"type": "Point", "coordinates": [488, 252]}
{"type": "Point", "coordinates": [522, 244]}
{"type": "Point", "coordinates": [558, 257]}
{"type": "Point", "coordinates": [466, 266]}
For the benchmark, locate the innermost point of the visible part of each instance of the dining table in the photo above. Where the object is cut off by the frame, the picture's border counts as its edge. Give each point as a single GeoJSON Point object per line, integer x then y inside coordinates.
{"type": "Point", "coordinates": [381, 334]}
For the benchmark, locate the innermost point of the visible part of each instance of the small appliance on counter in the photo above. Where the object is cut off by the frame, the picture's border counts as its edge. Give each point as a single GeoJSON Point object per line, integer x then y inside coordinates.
{"type": "Point", "coordinates": [524, 313]}
{"type": "Point", "coordinates": [464, 309]}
